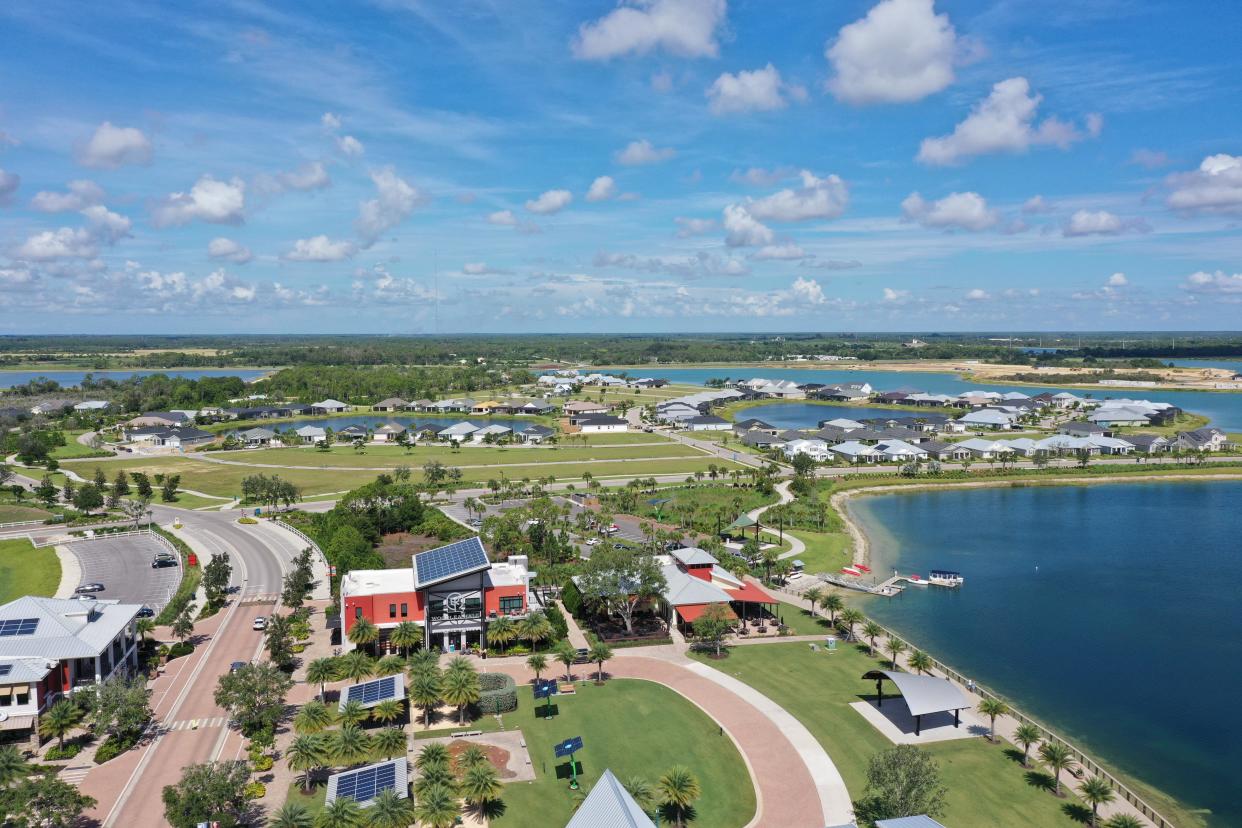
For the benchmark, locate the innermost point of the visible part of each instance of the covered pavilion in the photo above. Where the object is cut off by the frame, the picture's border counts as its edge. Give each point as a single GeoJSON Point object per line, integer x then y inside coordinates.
{"type": "Point", "coordinates": [923, 695]}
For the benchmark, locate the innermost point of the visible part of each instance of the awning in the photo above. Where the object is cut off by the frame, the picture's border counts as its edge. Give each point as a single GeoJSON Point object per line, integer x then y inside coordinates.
{"type": "Point", "coordinates": [17, 723]}
{"type": "Point", "coordinates": [689, 612]}
{"type": "Point", "coordinates": [751, 594]}
{"type": "Point", "coordinates": [6, 691]}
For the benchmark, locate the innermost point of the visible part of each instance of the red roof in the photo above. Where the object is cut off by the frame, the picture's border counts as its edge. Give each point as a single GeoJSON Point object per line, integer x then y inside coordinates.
{"type": "Point", "coordinates": [689, 612]}
{"type": "Point", "coordinates": [751, 594]}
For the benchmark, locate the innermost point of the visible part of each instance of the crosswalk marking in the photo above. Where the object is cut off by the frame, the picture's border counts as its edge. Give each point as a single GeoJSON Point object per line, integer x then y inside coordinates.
{"type": "Point", "coordinates": [74, 774]}
{"type": "Point", "coordinates": [189, 724]}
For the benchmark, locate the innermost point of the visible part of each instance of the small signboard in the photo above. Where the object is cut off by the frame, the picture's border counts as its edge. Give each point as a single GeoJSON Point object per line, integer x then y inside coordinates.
{"type": "Point", "coordinates": [569, 747]}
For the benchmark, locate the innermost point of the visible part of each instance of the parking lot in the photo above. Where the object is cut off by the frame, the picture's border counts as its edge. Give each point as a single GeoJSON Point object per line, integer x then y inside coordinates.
{"type": "Point", "coordinates": [123, 566]}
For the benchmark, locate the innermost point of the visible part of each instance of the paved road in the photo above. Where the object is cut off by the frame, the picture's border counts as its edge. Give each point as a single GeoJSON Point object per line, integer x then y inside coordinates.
{"type": "Point", "coordinates": [123, 566]}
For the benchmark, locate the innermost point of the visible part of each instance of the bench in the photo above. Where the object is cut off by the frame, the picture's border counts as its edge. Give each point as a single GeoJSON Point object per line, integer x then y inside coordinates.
{"type": "Point", "coordinates": [567, 690]}
{"type": "Point", "coordinates": [461, 734]}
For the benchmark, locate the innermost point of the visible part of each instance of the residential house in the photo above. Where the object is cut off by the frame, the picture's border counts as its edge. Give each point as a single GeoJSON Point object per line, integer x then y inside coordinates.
{"type": "Point", "coordinates": [753, 424]}
{"type": "Point", "coordinates": [575, 407]}
{"type": "Point", "coordinates": [1064, 444]}
{"type": "Point", "coordinates": [486, 407]}
{"type": "Point", "coordinates": [923, 400]}
{"type": "Point", "coordinates": [389, 433]}
{"type": "Point", "coordinates": [92, 405]}
{"type": "Point", "coordinates": [458, 431]}
{"type": "Point", "coordinates": [1066, 400]}
{"type": "Point", "coordinates": [984, 449]}
{"type": "Point", "coordinates": [1022, 446]}
{"type": "Point", "coordinates": [1201, 439]}
{"type": "Point", "coordinates": [988, 418]}
{"type": "Point", "coordinates": [600, 423]}
{"type": "Point", "coordinates": [168, 419]}
{"type": "Point", "coordinates": [329, 406]}
{"type": "Point", "coordinates": [311, 434]}
{"type": "Point", "coordinates": [1111, 445]}
{"type": "Point", "coordinates": [535, 434]}
{"type": "Point", "coordinates": [1148, 443]}
{"type": "Point", "coordinates": [944, 451]}
{"type": "Point", "coordinates": [899, 451]}
{"type": "Point", "coordinates": [257, 437]}
{"type": "Point", "coordinates": [351, 432]}
{"type": "Point", "coordinates": [390, 404]}
{"type": "Point", "coordinates": [493, 430]}
{"type": "Point", "coordinates": [848, 392]}
{"type": "Point", "coordinates": [892, 397]}
{"type": "Point", "coordinates": [418, 405]}
{"type": "Point", "coordinates": [816, 449]}
{"type": "Point", "coordinates": [841, 422]}
{"type": "Point", "coordinates": [457, 405]}
{"type": "Point", "coordinates": [1076, 428]}
{"type": "Point", "coordinates": [854, 452]}
{"type": "Point", "coordinates": [1114, 416]}
{"type": "Point", "coordinates": [707, 422]}
{"type": "Point", "coordinates": [760, 439]}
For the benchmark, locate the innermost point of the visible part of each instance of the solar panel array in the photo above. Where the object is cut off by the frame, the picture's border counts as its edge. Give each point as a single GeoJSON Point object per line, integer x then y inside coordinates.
{"type": "Point", "coordinates": [18, 626]}
{"type": "Point", "coordinates": [449, 561]}
{"type": "Point", "coordinates": [362, 786]}
{"type": "Point", "coordinates": [374, 691]}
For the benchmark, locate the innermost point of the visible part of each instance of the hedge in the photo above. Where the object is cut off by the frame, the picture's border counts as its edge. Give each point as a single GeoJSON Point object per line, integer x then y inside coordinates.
{"type": "Point", "coordinates": [112, 748]}
{"type": "Point", "coordinates": [190, 576]}
{"type": "Point", "coordinates": [498, 693]}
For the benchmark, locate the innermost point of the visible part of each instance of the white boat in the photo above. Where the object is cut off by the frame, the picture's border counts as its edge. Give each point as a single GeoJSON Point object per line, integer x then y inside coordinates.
{"type": "Point", "coordinates": [916, 580]}
{"type": "Point", "coordinates": [945, 578]}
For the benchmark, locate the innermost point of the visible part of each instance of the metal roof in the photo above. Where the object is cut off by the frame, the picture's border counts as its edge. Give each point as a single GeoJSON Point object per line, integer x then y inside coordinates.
{"type": "Point", "coordinates": [609, 805]}
{"type": "Point", "coordinates": [448, 562]}
{"type": "Point", "coordinates": [924, 694]}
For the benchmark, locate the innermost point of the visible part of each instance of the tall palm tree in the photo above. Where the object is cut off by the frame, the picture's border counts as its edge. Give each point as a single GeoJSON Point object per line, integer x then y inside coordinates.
{"type": "Point", "coordinates": [895, 647]}
{"type": "Point", "coordinates": [992, 707]}
{"type": "Point", "coordinates": [291, 815]}
{"type": "Point", "coordinates": [363, 632]}
{"type": "Point", "coordinates": [566, 654]}
{"type": "Point", "coordinates": [1096, 791]}
{"type": "Point", "coordinates": [832, 602]}
{"type": "Point", "coordinates": [352, 712]}
{"type": "Point", "coordinates": [599, 652]}
{"type": "Point", "coordinates": [12, 764]}
{"type": "Point", "coordinates": [678, 789]}
{"type": "Point", "coordinates": [537, 663]}
{"type": "Point", "coordinates": [390, 665]}
{"type": "Point", "coordinates": [871, 631]}
{"type": "Point", "coordinates": [642, 791]}
{"type": "Point", "coordinates": [350, 745]}
{"type": "Point", "coordinates": [1058, 757]}
{"type": "Point", "coordinates": [439, 775]}
{"type": "Point", "coordinates": [389, 742]}
{"type": "Point", "coordinates": [437, 807]}
{"type": "Point", "coordinates": [813, 595]}
{"type": "Point", "coordinates": [355, 666]}
{"type": "Point", "coordinates": [471, 756]}
{"type": "Point", "coordinates": [321, 671]}
{"type": "Point", "coordinates": [144, 627]}
{"type": "Point", "coordinates": [405, 635]}
{"type": "Point", "coordinates": [423, 659]}
{"type": "Point", "coordinates": [851, 617]}
{"type": "Point", "coordinates": [1026, 735]}
{"type": "Point", "coordinates": [314, 717]}
{"type": "Point", "coordinates": [307, 753]}
{"type": "Point", "coordinates": [63, 717]}
{"type": "Point", "coordinates": [388, 810]}
{"type": "Point", "coordinates": [920, 662]}
{"type": "Point", "coordinates": [426, 685]}
{"type": "Point", "coordinates": [480, 784]}
{"type": "Point", "coordinates": [341, 812]}
{"type": "Point", "coordinates": [461, 686]}
{"type": "Point", "coordinates": [433, 753]}
{"type": "Point", "coordinates": [534, 628]}
{"type": "Point", "coordinates": [387, 711]}
{"type": "Point", "coordinates": [501, 631]}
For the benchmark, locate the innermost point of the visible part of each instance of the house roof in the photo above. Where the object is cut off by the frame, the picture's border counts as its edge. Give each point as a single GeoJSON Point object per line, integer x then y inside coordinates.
{"type": "Point", "coordinates": [693, 556]}
{"type": "Point", "coordinates": [330, 403]}
{"type": "Point", "coordinates": [391, 402]}
{"type": "Point", "coordinates": [853, 448]}
{"type": "Point", "coordinates": [24, 670]}
{"type": "Point", "coordinates": [609, 805]}
{"type": "Point", "coordinates": [538, 430]}
{"type": "Point", "coordinates": [390, 428]}
{"type": "Point", "coordinates": [600, 419]}
{"type": "Point", "coordinates": [309, 430]}
{"type": "Point", "coordinates": [62, 628]}
{"type": "Point", "coordinates": [683, 588]}
{"type": "Point", "coordinates": [707, 419]}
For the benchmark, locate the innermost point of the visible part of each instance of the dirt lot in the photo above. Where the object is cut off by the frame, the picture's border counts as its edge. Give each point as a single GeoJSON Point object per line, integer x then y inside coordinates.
{"type": "Point", "coordinates": [397, 549]}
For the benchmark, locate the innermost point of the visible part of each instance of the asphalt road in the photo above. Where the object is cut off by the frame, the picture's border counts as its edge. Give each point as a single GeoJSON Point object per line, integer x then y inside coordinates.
{"type": "Point", "coordinates": [123, 566]}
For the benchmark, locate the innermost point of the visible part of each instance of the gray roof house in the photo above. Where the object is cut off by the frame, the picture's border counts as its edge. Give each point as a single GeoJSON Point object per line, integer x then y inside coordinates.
{"type": "Point", "coordinates": [535, 433]}
{"type": "Point", "coordinates": [329, 406]}
{"type": "Point", "coordinates": [390, 404]}
{"type": "Point", "coordinates": [1080, 429]}
{"type": "Point", "coordinates": [458, 431]}
{"type": "Point", "coordinates": [609, 805]}
{"type": "Point", "coordinates": [1148, 443]}
{"type": "Point", "coordinates": [311, 434]}
{"type": "Point", "coordinates": [987, 418]}
{"type": "Point", "coordinates": [1207, 439]}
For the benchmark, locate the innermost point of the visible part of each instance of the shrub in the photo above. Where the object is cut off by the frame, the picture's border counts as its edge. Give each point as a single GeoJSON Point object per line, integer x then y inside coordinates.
{"type": "Point", "coordinates": [571, 597]}
{"type": "Point", "coordinates": [111, 748]}
{"type": "Point", "coordinates": [297, 648]}
{"type": "Point", "coordinates": [70, 750]}
{"type": "Point", "coordinates": [560, 627]}
{"type": "Point", "coordinates": [261, 764]}
{"type": "Point", "coordinates": [498, 693]}
{"type": "Point", "coordinates": [181, 648]}
{"type": "Point", "coordinates": [249, 521]}
{"type": "Point", "coordinates": [255, 790]}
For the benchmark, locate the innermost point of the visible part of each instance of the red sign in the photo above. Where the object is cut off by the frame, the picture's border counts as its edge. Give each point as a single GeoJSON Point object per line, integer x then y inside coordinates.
{"type": "Point", "coordinates": [193, 559]}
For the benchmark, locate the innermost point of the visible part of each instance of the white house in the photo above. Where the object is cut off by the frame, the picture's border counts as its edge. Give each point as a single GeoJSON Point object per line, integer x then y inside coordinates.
{"type": "Point", "coordinates": [984, 449]}
{"type": "Point", "coordinates": [988, 418]}
{"type": "Point", "coordinates": [600, 423]}
{"type": "Point", "coordinates": [457, 431]}
{"type": "Point", "coordinates": [817, 450]}
{"type": "Point", "coordinates": [898, 450]}
{"type": "Point", "coordinates": [389, 433]}
{"type": "Point", "coordinates": [492, 430]}
{"type": "Point", "coordinates": [311, 434]}
{"type": "Point", "coordinates": [708, 422]}
{"type": "Point", "coordinates": [854, 451]}
{"type": "Point", "coordinates": [92, 405]}
{"type": "Point", "coordinates": [843, 423]}
{"type": "Point", "coordinates": [329, 406]}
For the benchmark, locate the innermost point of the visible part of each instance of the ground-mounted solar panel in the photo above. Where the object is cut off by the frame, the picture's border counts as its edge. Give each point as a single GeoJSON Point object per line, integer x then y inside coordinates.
{"type": "Point", "coordinates": [375, 691]}
{"type": "Point", "coordinates": [447, 562]}
{"type": "Point", "coordinates": [18, 626]}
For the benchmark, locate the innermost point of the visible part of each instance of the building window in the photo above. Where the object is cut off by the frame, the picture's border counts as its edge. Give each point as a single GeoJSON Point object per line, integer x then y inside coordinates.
{"type": "Point", "coordinates": [357, 613]}
{"type": "Point", "coordinates": [405, 610]}
{"type": "Point", "coordinates": [510, 605]}
{"type": "Point", "coordinates": [392, 610]}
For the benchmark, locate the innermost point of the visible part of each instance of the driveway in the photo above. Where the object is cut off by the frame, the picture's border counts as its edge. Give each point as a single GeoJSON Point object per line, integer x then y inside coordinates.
{"type": "Point", "coordinates": [123, 566]}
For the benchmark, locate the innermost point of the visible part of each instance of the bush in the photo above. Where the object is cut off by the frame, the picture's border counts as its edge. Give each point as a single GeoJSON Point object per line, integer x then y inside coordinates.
{"type": "Point", "coordinates": [571, 597]}
{"type": "Point", "coordinates": [181, 648]}
{"type": "Point", "coordinates": [111, 748]}
{"type": "Point", "coordinates": [297, 648]}
{"type": "Point", "coordinates": [70, 750]}
{"type": "Point", "coordinates": [560, 627]}
{"type": "Point", "coordinates": [249, 521]}
{"type": "Point", "coordinates": [498, 693]}
{"type": "Point", "coordinates": [263, 763]}
{"type": "Point", "coordinates": [255, 790]}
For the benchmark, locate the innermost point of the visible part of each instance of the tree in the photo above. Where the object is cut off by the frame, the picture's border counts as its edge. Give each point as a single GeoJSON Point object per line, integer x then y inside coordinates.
{"type": "Point", "coordinates": [407, 634]}
{"type": "Point", "coordinates": [352, 713]}
{"type": "Point", "coordinates": [313, 717]}
{"type": "Point", "coordinates": [618, 580]}
{"type": "Point", "coordinates": [537, 663]}
{"type": "Point", "coordinates": [349, 745]}
{"type": "Point", "coordinates": [501, 631]}
{"type": "Point", "coordinates": [534, 627]}
{"type": "Point", "coordinates": [255, 694]}
{"type": "Point", "coordinates": [992, 707]}
{"type": "Point", "coordinates": [389, 742]}
{"type": "Point", "coordinates": [1123, 821]}
{"type": "Point", "coordinates": [713, 625]}
{"type": "Point", "coordinates": [1058, 757]}
{"type": "Point", "coordinates": [566, 654]}
{"type": "Point", "coordinates": [363, 632]}
{"type": "Point", "coordinates": [920, 662]}
{"type": "Point", "coordinates": [136, 510]}
{"type": "Point", "coordinates": [42, 801]}
{"type": "Point", "coordinates": [211, 792]}
{"type": "Point", "coordinates": [291, 815]}
{"type": "Point", "coordinates": [1096, 791]}
{"type": "Point", "coordinates": [216, 576]}
{"type": "Point", "coordinates": [679, 788]}
{"type": "Point", "coordinates": [599, 652]}
{"type": "Point", "coordinates": [122, 708]}
{"type": "Point", "coordinates": [895, 646]}
{"type": "Point", "coordinates": [832, 602]}
{"type": "Point", "coordinates": [342, 812]}
{"type": "Point", "coordinates": [88, 498]}
{"type": "Point", "coordinates": [851, 617]}
{"type": "Point", "coordinates": [388, 810]}
{"type": "Point", "coordinates": [437, 807]}
{"type": "Point", "coordinates": [61, 718]}
{"type": "Point", "coordinates": [169, 491]}
{"type": "Point", "coordinates": [642, 791]}
{"type": "Point", "coordinates": [355, 666]}
{"type": "Point", "coordinates": [902, 781]}
{"type": "Point", "coordinates": [183, 624]}
{"type": "Point", "coordinates": [480, 784]}
{"type": "Point", "coordinates": [1026, 735]}
{"type": "Point", "coordinates": [426, 685]}
{"type": "Point", "coordinates": [144, 627]}
{"type": "Point", "coordinates": [306, 753]}
{"type": "Point", "coordinates": [46, 490]}
{"type": "Point", "coordinates": [461, 686]}
{"type": "Point", "coordinates": [279, 639]}
{"type": "Point", "coordinates": [871, 631]}
{"type": "Point", "coordinates": [142, 485]}
{"type": "Point", "coordinates": [387, 711]}
{"type": "Point", "coordinates": [813, 595]}
{"type": "Point", "coordinates": [12, 765]}
{"type": "Point", "coordinates": [321, 671]}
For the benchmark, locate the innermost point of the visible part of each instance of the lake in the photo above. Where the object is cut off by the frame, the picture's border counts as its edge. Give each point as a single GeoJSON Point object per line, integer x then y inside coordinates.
{"type": "Point", "coordinates": [1109, 611]}
{"type": "Point", "coordinates": [809, 415]}
{"type": "Point", "coordinates": [71, 378]}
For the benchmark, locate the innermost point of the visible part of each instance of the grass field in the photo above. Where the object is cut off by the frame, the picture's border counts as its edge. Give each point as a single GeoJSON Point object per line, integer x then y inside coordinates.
{"type": "Point", "coordinates": [825, 551]}
{"type": "Point", "coordinates": [73, 449]}
{"type": "Point", "coordinates": [12, 513]}
{"type": "Point", "coordinates": [393, 456]}
{"type": "Point", "coordinates": [25, 570]}
{"type": "Point", "coordinates": [633, 728]}
{"type": "Point", "coordinates": [986, 784]}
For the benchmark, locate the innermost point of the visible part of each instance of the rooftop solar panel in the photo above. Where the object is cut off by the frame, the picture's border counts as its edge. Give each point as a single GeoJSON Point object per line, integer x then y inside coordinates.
{"type": "Point", "coordinates": [365, 784]}
{"type": "Point", "coordinates": [448, 562]}
{"type": "Point", "coordinates": [18, 626]}
{"type": "Point", "coordinates": [374, 691]}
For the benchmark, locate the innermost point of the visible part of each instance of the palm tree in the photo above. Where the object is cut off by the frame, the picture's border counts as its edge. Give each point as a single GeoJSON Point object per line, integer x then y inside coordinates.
{"type": "Point", "coordinates": [363, 632]}
{"type": "Point", "coordinates": [599, 653]}
{"type": "Point", "coordinates": [833, 603]}
{"type": "Point", "coordinates": [405, 635]}
{"type": "Point", "coordinates": [678, 789]}
{"type": "Point", "coordinates": [534, 627]}
{"type": "Point", "coordinates": [871, 631]}
{"type": "Point", "coordinates": [390, 665]}
{"type": "Point", "coordinates": [471, 756]}
{"type": "Point", "coordinates": [341, 812]}
{"type": "Point", "coordinates": [1123, 821]}
{"type": "Point", "coordinates": [643, 792]}
{"type": "Point", "coordinates": [461, 686]}
{"type": "Point", "coordinates": [1096, 791]}
{"type": "Point", "coordinates": [291, 815]}
{"type": "Point", "coordinates": [306, 753]}
{"type": "Point", "coordinates": [314, 717]}
{"type": "Point", "coordinates": [538, 663]}
{"type": "Point", "coordinates": [59, 720]}
{"type": "Point", "coordinates": [425, 688]}
{"type": "Point", "coordinates": [388, 810]}
{"type": "Point", "coordinates": [993, 707]}
{"type": "Point", "coordinates": [387, 711]}
{"type": "Point", "coordinates": [321, 671]}
{"type": "Point", "coordinates": [355, 666]}
{"type": "Point", "coordinates": [352, 712]}
{"type": "Point", "coordinates": [895, 647]}
{"type": "Point", "coordinates": [920, 662]}
{"type": "Point", "coordinates": [423, 659]}
{"type": "Point", "coordinates": [434, 753]}
{"type": "Point", "coordinates": [437, 807]}
{"type": "Point", "coordinates": [144, 627]}
{"type": "Point", "coordinates": [501, 631]}
{"type": "Point", "coordinates": [480, 784]}
{"type": "Point", "coordinates": [12, 765]}
{"type": "Point", "coordinates": [389, 742]}
{"type": "Point", "coordinates": [1026, 735]}
{"type": "Point", "coordinates": [350, 745]}
{"type": "Point", "coordinates": [814, 594]}
{"type": "Point", "coordinates": [851, 617]}
{"type": "Point", "coordinates": [1058, 757]}
{"type": "Point", "coordinates": [566, 654]}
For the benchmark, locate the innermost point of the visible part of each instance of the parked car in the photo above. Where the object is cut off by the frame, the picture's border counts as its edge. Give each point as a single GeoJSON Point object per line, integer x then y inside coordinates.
{"type": "Point", "coordinates": [593, 542]}
{"type": "Point", "coordinates": [87, 589]}
{"type": "Point", "coordinates": [146, 612]}
{"type": "Point", "coordinates": [236, 665]}
{"type": "Point", "coordinates": [618, 546]}
{"type": "Point", "coordinates": [260, 623]}
{"type": "Point", "coordinates": [610, 530]}
{"type": "Point", "coordinates": [580, 656]}
{"type": "Point", "coordinates": [163, 559]}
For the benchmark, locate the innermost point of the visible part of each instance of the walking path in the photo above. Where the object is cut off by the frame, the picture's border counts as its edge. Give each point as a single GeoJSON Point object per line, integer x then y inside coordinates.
{"type": "Point", "coordinates": [796, 547]}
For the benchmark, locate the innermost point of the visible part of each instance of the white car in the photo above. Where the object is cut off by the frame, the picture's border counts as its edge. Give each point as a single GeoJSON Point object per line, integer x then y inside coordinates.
{"type": "Point", "coordinates": [593, 542]}
{"type": "Point", "coordinates": [260, 623]}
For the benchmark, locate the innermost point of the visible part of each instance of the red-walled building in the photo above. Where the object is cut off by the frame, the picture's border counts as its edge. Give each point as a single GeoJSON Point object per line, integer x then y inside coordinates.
{"type": "Point", "coordinates": [452, 592]}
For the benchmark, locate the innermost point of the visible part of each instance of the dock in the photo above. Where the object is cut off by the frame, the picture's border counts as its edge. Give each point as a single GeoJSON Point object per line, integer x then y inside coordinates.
{"type": "Point", "coordinates": [893, 585]}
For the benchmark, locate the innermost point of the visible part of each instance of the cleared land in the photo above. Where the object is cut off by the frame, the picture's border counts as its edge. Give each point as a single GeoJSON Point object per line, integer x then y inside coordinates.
{"type": "Point", "coordinates": [10, 513]}
{"type": "Point", "coordinates": [25, 570]}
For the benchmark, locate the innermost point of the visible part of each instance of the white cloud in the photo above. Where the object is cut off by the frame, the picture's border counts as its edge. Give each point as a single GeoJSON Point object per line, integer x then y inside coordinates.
{"type": "Point", "coordinates": [1151, 159]}
{"type": "Point", "coordinates": [106, 225]}
{"type": "Point", "coordinates": [482, 269]}
{"type": "Point", "coordinates": [602, 189]}
{"type": "Point", "coordinates": [978, 295]}
{"type": "Point", "coordinates": [310, 176]}
{"type": "Point", "coordinates": [550, 202]}
{"type": "Point", "coordinates": [504, 218]}
{"type": "Point", "coordinates": [1100, 223]}
{"type": "Point", "coordinates": [1216, 187]}
{"type": "Point", "coordinates": [351, 146]}
{"type": "Point", "coordinates": [229, 251]}
{"type": "Point", "coordinates": [756, 90]}
{"type": "Point", "coordinates": [219, 286]}
{"type": "Point", "coordinates": [644, 152]}
{"type": "Point", "coordinates": [9, 182]}
{"type": "Point", "coordinates": [807, 291]}
{"type": "Point", "coordinates": [785, 252]}
{"type": "Point", "coordinates": [829, 264]}
{"type": "Point", "coordinates": [1004, 121]}
{"type": "Point", "coordinates": [81, 193]}
{"type": "Point", "coordinates": [902, 51]}
{"type": "Point", "coordinates": [112, 146]}
{"type": "Point", "coordinates": [893, 295]}
{"type": "Point", "coordinates": [699, 265]}
{"type": "Point", "coordinates": [743, 230]}
{"type": "Point", "coordinates": [65, 243]}
{"type": "Point", "coordinates": [320, 249]}
{"type": "Point", "coordinates": [395, 200]}
{"type": "Point", "coordinates": [760, 177]}
{"type": "Point", "coordinates": [680, 27]}
{"type": "Point", "coordinates": [1037, 204]}
{"type": "Point", "coordinates": [1118, 280]}
{"type": "Point", "coordinates": [330, 121]}
{"type": "Point", "coordinates": [1218, 282]}
{"type": "Point", "coordinates": [687, 227]}
{"type": "Point", "coordinates": [817, 198]}
{"type": "Point", "coordinates": [209, 200]}
{"type": "Point", "coordinates": [961, 211]}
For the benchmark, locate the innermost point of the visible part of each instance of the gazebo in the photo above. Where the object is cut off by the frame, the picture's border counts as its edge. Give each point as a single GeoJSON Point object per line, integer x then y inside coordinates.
{"type": "Point", "coordinates": [923, 695]}
{"type": "Point", "coordinates": [743, 523]}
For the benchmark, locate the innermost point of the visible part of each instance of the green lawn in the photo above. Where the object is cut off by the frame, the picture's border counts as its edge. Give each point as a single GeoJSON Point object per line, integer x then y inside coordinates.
{"type": "Point", "coordinates": [25, 570]}
{"type": "Point", "coordinates": [825, 551]}
{"type": "Point", "coordinates": [12, 513]}
{"type": "Point", "coordinates": [633, 728]}
{"type": "Point", "coordinates": [393, 456]}
{"type": "Point", "coordinates": [986, 785]}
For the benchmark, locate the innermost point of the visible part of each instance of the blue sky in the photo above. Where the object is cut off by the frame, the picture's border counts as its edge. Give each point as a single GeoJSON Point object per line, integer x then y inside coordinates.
{"type": "Point", "coordinates": [399, 166]}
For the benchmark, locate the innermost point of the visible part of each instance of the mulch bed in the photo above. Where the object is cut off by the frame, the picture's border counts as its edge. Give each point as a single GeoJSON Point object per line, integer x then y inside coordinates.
{"type": "Point", "coordinates": [499, 757]}
{"type": "Point", "coordinates": [397, 548]}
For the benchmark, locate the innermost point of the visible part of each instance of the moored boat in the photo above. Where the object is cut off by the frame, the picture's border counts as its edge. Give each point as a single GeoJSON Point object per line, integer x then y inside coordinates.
{"type": "Point", "coordinates": [945, 578]}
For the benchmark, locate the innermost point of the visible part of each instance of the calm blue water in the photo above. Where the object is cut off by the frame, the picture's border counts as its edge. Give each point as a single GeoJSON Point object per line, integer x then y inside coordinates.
{"type": "Point", "coordinates": [373, 420]}
{"type": "Point", "coordinates": [71, 378]}
{"type": "Point", "coordinates": [1222, 408]}
{"type": "Point", "coordinates": [809, 415]}
{"type": "Point", "coordinates": [1110, 611]}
